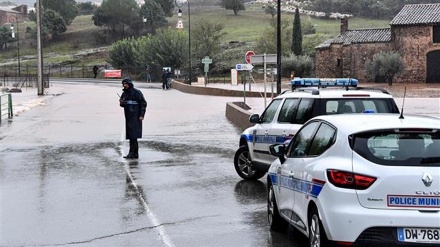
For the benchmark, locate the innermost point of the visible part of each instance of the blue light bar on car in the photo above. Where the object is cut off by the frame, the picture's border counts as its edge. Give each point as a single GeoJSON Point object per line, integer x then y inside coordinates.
{"type": "Point", "coordinates": [324, 82]}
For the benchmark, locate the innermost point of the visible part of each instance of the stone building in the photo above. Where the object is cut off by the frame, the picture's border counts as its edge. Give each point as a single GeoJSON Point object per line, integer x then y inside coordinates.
{"type": "Point", "coordinates": [7, 14]}
{"type": "Point", "coordinates": [414, 32]}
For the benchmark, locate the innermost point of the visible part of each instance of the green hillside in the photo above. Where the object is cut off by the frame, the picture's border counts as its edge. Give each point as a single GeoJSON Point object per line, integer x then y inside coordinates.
{"type": "Point", "coordinates": [245, 27]}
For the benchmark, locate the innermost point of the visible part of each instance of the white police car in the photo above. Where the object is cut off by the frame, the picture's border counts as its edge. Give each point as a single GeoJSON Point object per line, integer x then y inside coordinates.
{"type": "Point", "coordinates": [359, 179]}
{"type": "Point", "coordinates": [290, 110]}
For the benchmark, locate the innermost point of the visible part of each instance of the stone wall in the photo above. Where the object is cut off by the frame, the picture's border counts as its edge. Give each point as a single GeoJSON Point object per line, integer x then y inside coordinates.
{"type": "Point", "coordinates": [214, 91]}
{"type": "Point", "coordinates": [238, 114]}
{"type": "Point", "coordinates": [347, 60]}
{"type": "Point", "coordinates": [413, 43]}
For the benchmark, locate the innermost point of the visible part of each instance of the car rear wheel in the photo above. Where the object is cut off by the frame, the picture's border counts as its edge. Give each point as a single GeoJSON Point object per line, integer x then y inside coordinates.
{"type": "Point", "coordinates": [243, 165]}
{"type": "Point", "coordinates": [276, 222]}
{"type": "Point", "coordinates": [317, 236]}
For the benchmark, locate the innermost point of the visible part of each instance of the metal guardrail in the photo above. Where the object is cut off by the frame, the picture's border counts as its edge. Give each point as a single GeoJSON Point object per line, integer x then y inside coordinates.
{"type": "Point", "coordinates": [6, 106]}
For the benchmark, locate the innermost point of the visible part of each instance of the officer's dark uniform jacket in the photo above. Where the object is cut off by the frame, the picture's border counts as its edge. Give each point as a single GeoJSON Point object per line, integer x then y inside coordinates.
{"type": "Point", "coordinates": [134, 107]}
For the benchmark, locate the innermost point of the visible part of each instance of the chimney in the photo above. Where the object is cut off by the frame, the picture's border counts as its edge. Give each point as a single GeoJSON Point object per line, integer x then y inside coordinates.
{"type": "Point", "coordinates": [344, 25]}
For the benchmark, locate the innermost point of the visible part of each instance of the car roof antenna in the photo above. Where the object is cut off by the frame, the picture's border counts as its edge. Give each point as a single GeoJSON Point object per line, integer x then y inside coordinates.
{"type": "Point", "coordinates": [403, 103]}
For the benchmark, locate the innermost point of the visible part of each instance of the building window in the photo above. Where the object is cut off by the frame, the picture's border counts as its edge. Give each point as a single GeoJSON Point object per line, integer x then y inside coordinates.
{"type": "Point", "coordinates": [339, 62]}
{"type": "Point", "coordinates": [436, 34]}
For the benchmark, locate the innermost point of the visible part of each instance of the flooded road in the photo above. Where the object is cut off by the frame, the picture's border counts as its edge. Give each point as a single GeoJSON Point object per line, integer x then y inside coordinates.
{"type": "Point", "coordinates": [64, 181]}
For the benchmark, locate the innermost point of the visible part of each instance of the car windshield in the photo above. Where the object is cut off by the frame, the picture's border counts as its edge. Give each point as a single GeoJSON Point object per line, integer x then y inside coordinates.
{"type": "Point", "coordinates": [359, 105]}
{"type": "Point", "coordinates": [399, 147]}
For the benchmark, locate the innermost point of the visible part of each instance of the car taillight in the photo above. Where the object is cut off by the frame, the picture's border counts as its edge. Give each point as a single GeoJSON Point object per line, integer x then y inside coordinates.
{"type": "Point", "coordinates": [349, 180]}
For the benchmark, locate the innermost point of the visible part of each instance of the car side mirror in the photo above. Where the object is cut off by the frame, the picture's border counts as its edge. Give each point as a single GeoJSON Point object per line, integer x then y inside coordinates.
{"type": "Point", "coordinates": [254, 118]}
{"type": "Point", "coordinates": [279, 151]}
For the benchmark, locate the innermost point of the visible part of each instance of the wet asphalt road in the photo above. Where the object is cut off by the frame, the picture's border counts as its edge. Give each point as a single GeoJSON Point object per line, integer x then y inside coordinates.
{"type": "Point", "coordinates": [64, 181]}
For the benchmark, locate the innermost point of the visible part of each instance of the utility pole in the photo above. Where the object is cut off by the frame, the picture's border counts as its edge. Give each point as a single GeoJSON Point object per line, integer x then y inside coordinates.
{"type": "Point", "coordinates": [278, 47]}
{"type": "Point", "coordinates": [18, 40]}
{"type": "Point", "coordinates": [39, 51]}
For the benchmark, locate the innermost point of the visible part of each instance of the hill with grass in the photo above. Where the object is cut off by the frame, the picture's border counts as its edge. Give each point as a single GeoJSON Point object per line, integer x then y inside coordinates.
{"type": "Point", "coordinates": [85, 44]}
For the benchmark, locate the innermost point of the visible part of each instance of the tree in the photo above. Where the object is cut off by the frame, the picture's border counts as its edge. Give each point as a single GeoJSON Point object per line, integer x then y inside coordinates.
{"type": "Point", "coordinates": [235, 5]}
{"type": "Point", "coordinates": [167, 6]}
{"type": "Point", "coordinates": [67, 9]}
{"type": "Point", "coordinates": [271, 10]}
{"type": "Point", "coordinates": [53, 22]}
{"type": "Point", "coordinates": [166, 48]}
{"type": "Point", "coordinates": [267, 42]}
{"type": "Point", "coordinates": [122, 54]}
{"type": "Point", "coordinates": [5, 36]}
{"type": "Point", "coordinates": [154, 15]}
{"type": "Point", "coordinates": [302, 66]}
{"type": "Point", "coordinates": [384, 66]}
{"type": "Point", "coordinates": [207, 36]}
{"type": "Point", "coordinates": [86, 8]}
{"type": "Point", "coordinates": [297, 35]}
{"type": "Point", "coordinates": [100, 18]}
{"type": "Point", "coordinates": [169, 48]}
{"type": "Point", "coordinates": [117, 15]}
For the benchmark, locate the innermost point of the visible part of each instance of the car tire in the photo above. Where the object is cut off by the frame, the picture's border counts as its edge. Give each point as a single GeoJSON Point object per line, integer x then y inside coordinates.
{"type": "Point", "coordinates": [317, 236]}
{"type": "Point", "coordinates": [276, 222]}
{"type": "Point", "coordinates": [243, 165]}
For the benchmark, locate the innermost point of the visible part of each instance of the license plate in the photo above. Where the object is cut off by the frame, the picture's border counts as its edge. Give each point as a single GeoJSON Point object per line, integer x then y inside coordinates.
{"type": "Point", "coordinates": [418, 235]}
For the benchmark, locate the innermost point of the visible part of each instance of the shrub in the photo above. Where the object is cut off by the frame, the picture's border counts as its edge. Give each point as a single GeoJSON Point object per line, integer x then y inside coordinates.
{"type": "Point", "coordinates": [384, 66]}
{"type": "Point", "coordinates": [302, 66]}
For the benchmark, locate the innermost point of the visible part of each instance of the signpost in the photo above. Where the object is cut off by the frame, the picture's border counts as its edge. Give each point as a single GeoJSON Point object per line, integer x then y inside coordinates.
{"type": "Point", "coordinates": [248, 55]}
{"type": "Point", "coordinates": [266, 58]}
{"type": "Point", "coordinates": [246, 66]}
{"type": "Point", "coordinates": [206, 61]}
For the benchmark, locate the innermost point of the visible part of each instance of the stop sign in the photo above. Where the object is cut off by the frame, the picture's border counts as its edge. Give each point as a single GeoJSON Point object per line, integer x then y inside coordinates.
{"type": "Point", "coordinates": [248, 55]}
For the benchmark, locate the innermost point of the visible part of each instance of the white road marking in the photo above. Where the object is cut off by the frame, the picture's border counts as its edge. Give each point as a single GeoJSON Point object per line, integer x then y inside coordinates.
{"type": "Point", "coordinates": [161, 229]}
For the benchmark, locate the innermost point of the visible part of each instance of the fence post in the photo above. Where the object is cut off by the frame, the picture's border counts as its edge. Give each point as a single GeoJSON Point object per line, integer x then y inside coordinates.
{"type": "Point", "coordinates": [10, 112]}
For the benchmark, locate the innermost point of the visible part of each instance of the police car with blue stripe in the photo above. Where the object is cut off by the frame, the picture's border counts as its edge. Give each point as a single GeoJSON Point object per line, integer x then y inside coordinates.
{"type": "Point", "coordinates": [362, 179]}
{"type": "Point", "coordinates": [283, 117]}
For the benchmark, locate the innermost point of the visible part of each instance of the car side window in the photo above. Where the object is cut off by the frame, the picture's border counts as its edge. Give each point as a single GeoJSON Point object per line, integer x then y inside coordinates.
{"type": "Point", "coordinates": [288, 110]}
{"type": "Point", "coordinates": [302, 139]}
{"type": "Point", "coordinates": [323, 139]}
{"type": "Point", "coordinates": [304, 111]}
{"type": "Point", "coordinates": [338, 106]}
{"type": "Point", "coordinates": [270, 111]}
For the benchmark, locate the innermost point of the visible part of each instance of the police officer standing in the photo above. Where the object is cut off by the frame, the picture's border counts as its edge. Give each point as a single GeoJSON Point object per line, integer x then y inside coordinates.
{"type": "Point", "coordinates": [135, 106]}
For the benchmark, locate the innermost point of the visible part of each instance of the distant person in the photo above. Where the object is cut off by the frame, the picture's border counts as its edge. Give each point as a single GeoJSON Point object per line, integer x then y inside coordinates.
{"type": "Point", "coordinates": [135, 107]}
{"type": "Point", "coordinates": [164, 79]}
{"type": "Point", "coordinates": [95, 70]}
{"type": "Point", "coordinates": [169, 78]}
{"type": "Point", "coordinates": [148, 73]}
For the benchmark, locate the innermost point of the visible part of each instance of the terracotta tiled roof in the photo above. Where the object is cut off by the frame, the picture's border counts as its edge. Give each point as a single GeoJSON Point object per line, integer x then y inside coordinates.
{"type": "Point", "coordinates": [376, 35]}
{"type": "Point", "coordinates": [418, 14]}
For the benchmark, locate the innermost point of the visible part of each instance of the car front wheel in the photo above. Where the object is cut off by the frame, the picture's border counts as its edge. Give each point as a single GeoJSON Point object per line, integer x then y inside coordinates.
{"type": "Point", "coordinates": [276, 222]}
{"type": "Point", "coordinates": [243, 165]}
{"type": "Point", "coordinates": [317, 236]}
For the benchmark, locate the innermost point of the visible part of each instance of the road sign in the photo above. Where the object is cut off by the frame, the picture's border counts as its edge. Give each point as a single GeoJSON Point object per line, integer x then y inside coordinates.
{"type": "Point", "coordinates": [206, 61]}
{"type": "Point", "coordinates": [260, 59]}
{"type": "Point", "coordinates": [179, 24]}
{"type": "Point", "coordinates": [241, 67]}
{"type": "Point", "coordinates": [248, 55]}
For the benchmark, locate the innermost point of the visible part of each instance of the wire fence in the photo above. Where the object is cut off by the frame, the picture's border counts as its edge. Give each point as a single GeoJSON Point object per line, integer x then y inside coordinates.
{"type": "Point", "coordinates": [26, 75]}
